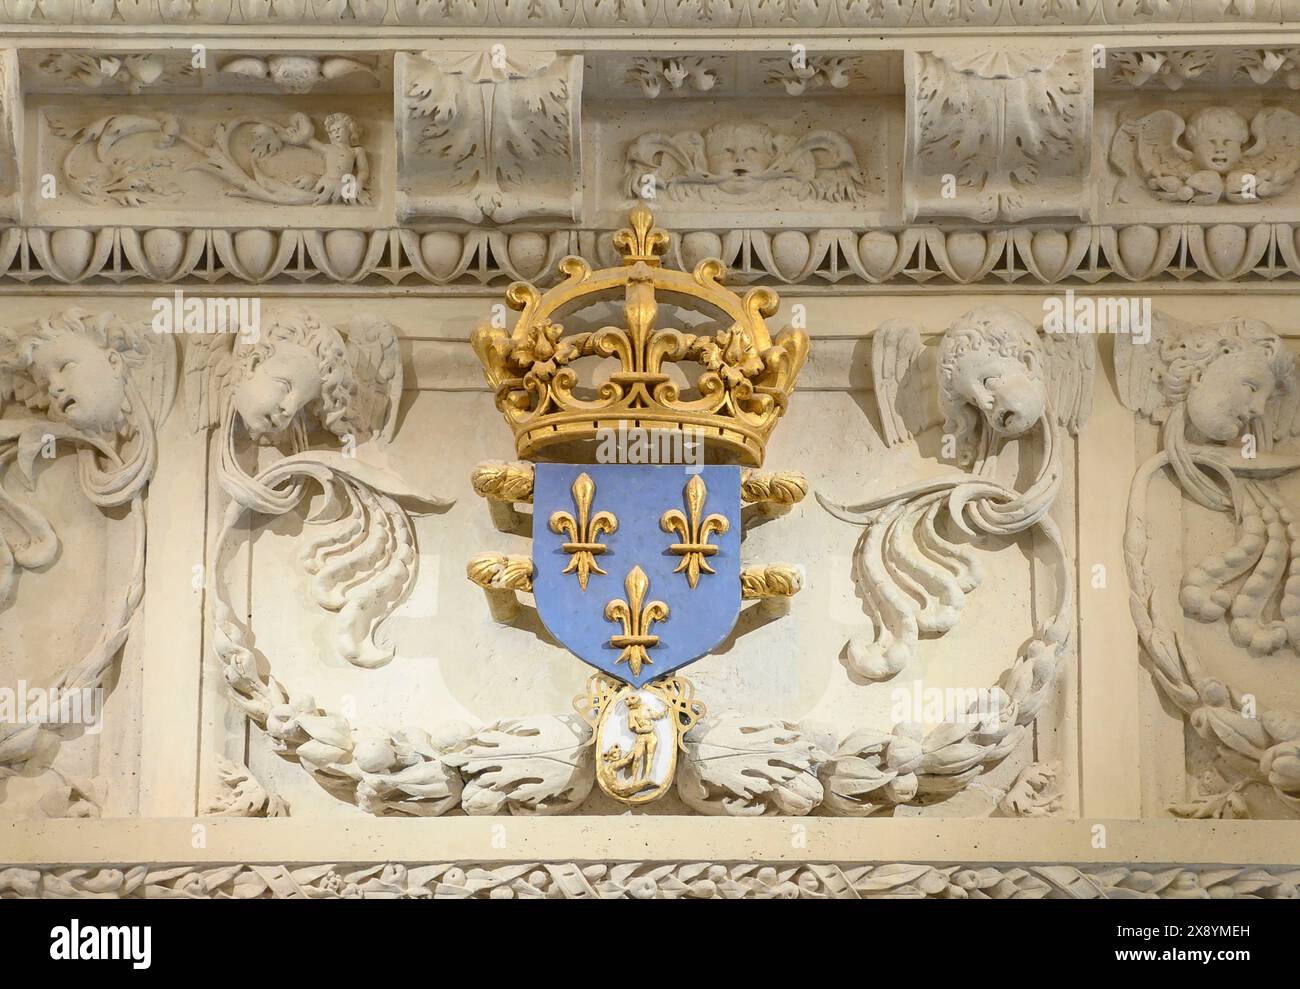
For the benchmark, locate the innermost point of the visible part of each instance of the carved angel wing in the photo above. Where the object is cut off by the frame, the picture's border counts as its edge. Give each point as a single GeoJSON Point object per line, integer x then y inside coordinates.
{"type": "Point", "coordinates": [156, 377]}
{"type": "Point", "coordinates": [209, 366]}
{"type": "Point", "coordinates": [903, 376]}
{"type": "Point", "coordinates": [1140, 367]}
{"type": "Point", "coordinates": [827, 159]}
{"type": "Point", "coordinates": [377, 361]}
{"type": "Point", "coordinates": [665, 156]}
{"type": "Point", "coordinates": [1070, 363]}
{"type": "Point", "coordinates": [1273, 156]}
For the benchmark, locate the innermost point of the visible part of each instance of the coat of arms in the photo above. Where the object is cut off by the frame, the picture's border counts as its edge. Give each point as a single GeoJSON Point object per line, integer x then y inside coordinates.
{"type": "Point", "coordinates": [635, 564]}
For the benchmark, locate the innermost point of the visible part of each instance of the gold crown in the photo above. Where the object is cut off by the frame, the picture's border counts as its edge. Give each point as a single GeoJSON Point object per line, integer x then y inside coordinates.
{"type": "Point", "coordinates": [740, 391]}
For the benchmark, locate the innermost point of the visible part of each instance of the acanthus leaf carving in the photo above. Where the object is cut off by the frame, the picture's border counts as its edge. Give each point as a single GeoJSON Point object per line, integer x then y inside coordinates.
{"type": "Point", "coordinates": [489, 135]}
{"type": "Point", "coordinates": [538, 765]}
{"type": "Point", "coordinates": [999, 134]}
{"type": "Point", "coordinates": [744, 766]}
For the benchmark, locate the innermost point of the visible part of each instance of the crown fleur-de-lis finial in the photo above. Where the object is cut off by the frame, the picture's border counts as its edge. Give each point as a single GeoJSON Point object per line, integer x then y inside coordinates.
{"type": "Point", "coordinates": [636, 616]}
{"type": "Point", "coordinates": [643, 241]}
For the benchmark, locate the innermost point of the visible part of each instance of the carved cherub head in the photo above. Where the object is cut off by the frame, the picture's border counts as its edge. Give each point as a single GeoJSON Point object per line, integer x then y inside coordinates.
{"type": "Point", "coordinates": [1216, 136]}
{"type": "Point", "coordinates": [1226, 378]}
{"type": "Point", "coordinates": [989, 361]}
{"type": "Point", "coordinates": [76, 366]}
{"type": "Point", "coordinates": [342, 129]}
{"type": "Point", "coordinates": [740, 149]}
{"type": "Point", "coordinates": [298, 365]}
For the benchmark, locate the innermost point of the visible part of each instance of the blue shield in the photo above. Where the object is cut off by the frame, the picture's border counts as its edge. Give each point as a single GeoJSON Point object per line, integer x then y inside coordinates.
{"type": "Point", "coordinates": [637, 568]}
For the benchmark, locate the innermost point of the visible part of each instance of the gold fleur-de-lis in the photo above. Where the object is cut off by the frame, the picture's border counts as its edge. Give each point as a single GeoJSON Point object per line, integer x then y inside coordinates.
{"type": "Point", "coordinates": [636, 617]}
{"type": "Point", "coordinates": [584, 545]}
{"type": "Point", "coordinates": [693, 532]}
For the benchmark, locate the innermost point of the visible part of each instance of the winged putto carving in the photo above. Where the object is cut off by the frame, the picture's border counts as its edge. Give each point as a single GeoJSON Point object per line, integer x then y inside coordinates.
{"type": "Point", "coordinates": [993, 379]}
{"type": "Point", "coordinates": [1208, 156]}
{"type": "Point", "coordinates": [1227, 399]}
{"type": "Point", "coordinates": [295, 377]}
{"type": "Point", "coordinates": [733, 162]}
{"type": "Point", "coordinates": [97, 386]}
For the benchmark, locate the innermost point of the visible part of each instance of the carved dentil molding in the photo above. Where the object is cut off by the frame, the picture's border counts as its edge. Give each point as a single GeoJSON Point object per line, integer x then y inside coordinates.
{"type": "Point", "coordinates": [647, 880]}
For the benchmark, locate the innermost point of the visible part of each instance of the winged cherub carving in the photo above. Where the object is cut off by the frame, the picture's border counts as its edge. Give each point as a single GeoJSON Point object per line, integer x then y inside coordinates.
{"type": "Point", "coordinates": [733, 162]}
{"type": "Point", "coordinates": [299, 376]}
{"type": "Point", "coordinates": [1211, 155]}
{"type": "Point", "coordinates": [993, 379]}
{"type": "Point", "coordinates": [98, 386]}
{"type": "Point", "coordinates": [1225, 395]}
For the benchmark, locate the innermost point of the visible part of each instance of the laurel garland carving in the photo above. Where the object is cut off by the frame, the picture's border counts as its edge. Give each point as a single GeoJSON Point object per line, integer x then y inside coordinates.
{"type": "Point", "coordinates": [648, 880]}
{"type": "Point", "coordinates": [241, 794]}
{"type": "Point", "coordinates": [99, 387]}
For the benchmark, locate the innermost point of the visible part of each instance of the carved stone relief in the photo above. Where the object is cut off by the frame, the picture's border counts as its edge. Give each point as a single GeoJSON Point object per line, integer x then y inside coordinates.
{"type": "Point", "coordinates": [999, 134]}
{"type": "Point", "coordinates": [1225, 396]}
{"type": "Point", "coordinates": [648, 881]}
{"type": "Point", "coordinates": [1207, 156]}
{"type": "Point", "coordinates": [97, 387]}
{"type": "Point", "coordinates": [735, 163]}
{"type": "Point", "coordinates": [895, 169]}
{"type": "Point", "coordinates": [158, 160]}
{"type": "Point", "coordinates": [489, 135]}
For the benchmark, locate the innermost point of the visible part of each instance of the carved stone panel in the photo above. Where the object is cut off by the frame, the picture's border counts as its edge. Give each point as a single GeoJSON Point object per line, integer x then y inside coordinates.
{"type": "Point", "coordinates": [489, 135]}
{"type": "Point", "coordinates": [999, 134]}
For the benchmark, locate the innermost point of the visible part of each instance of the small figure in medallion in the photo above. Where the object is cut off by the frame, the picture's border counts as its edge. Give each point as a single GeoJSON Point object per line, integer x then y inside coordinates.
{"type": "Point", "coordinates": [640, 758]}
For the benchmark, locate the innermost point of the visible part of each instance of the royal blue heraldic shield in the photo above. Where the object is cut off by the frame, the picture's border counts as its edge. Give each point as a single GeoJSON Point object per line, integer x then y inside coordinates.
{"type": "Point", "coordinates": [637, 567]}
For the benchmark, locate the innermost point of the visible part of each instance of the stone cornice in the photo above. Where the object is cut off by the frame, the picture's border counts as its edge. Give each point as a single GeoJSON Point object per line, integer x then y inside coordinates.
{"type": "Point", "coordinates": [1191, 255]}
